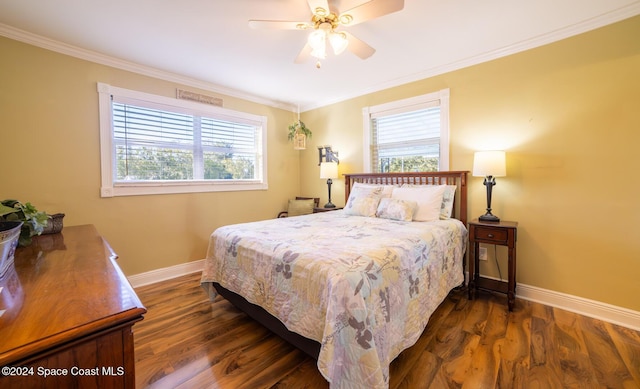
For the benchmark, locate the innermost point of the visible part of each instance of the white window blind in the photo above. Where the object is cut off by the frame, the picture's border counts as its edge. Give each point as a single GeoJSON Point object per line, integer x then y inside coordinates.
{"type": "Point", "coordinates": [155, 144]}
{"type": "Point", "coordinates": [405, 141]}
{"type": "Point", "coordinates": [180, 145]}
{"type": "Point", "coordinates": [408, 135]}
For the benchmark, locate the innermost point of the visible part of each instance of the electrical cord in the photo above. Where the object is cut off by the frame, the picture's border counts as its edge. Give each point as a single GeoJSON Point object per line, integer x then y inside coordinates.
{"type": "Point", "coordinates": [495, 256]}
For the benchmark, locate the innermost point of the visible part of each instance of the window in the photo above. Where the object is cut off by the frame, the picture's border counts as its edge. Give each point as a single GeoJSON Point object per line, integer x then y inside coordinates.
{"type": "Point", "coordinates": [153, 144]}
{"type": "Point", "coordinates": [408, 135]}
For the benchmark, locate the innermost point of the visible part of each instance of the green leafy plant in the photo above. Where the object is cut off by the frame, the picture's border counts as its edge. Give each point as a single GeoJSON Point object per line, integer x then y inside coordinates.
{"type": "Point", "coordinates": [298, 126]}
{"type": "Point", "coordinates": [33, 221]}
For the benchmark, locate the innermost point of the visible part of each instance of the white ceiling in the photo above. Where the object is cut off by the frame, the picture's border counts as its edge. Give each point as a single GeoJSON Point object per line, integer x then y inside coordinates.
{"type": "Point", "coordinates": [208, 44]}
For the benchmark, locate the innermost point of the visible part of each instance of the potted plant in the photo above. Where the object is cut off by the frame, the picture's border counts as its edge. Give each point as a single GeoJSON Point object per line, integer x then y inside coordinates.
{"type": "Point", "coordinates": [298, 133]}
{"type": "Point", "coordinates": [33, 221]}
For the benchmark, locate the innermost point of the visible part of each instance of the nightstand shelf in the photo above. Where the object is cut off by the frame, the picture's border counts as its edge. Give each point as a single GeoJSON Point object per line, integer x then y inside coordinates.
{"type": "Point", "coordinates": [503, 233]}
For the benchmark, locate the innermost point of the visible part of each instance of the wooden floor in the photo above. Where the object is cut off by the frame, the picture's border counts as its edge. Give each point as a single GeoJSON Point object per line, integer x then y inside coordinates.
{"type": "Point", "coordinates": [187, 341]}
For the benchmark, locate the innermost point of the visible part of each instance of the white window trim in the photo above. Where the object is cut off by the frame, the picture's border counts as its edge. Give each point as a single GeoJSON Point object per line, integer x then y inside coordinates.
{"type": "Point", "coordinates": [110, 188]}
{"type": "Point", "coordinates": [402, 106]}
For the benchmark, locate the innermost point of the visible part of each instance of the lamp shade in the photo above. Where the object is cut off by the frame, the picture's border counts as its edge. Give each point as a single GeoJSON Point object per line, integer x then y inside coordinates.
{"type": "Point", "coordinates": [328, 170]}
{"type": "Point", "coordinates": [489, 163]}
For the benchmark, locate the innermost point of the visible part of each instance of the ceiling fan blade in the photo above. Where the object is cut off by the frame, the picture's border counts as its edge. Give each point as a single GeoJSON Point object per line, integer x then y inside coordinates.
{"type": "Point", "coordinates": [369, 10]}
{"type": "Point", "coordinates": [358, 47]}
{"type": "Point", "coordinates": [279, 25]}
{"type": "Point", "coordinates": [317, 5]}
{"type": "Point", "coordinates": [304, 54]}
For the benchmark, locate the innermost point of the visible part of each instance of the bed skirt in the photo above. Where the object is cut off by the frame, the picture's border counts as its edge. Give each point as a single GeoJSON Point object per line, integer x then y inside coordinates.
{"type": "Point", "coordinates": [309, 346]}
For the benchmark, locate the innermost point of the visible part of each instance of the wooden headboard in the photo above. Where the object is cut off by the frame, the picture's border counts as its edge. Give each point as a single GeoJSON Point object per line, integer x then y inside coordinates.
{"type": "Point", "coordinates": [458, 178]}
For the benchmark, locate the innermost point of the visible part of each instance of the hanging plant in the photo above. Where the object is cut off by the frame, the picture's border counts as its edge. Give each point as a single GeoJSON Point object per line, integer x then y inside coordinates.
{"type": "Point", "coordinates": [298, 127]}
{"type": "Point", "coordinates": [298, 133]}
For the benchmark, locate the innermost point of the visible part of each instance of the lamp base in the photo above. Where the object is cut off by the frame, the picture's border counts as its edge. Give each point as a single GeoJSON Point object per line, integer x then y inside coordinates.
{"type": "Point", "coordinates": [329, 205]}
{"type": "Point", "coordinates": [488, 217]}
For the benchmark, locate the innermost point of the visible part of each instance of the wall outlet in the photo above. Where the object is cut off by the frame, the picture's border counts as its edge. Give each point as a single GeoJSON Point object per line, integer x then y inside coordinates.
{"type": "Point", "coordinates": [483, 253]}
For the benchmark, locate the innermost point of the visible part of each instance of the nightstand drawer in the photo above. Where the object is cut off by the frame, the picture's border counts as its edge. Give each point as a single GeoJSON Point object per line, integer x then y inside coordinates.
{"type": "Point", "coordinates": [498, 235]}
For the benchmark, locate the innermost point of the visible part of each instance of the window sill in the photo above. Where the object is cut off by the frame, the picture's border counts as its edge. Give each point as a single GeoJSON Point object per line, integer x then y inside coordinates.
{"type": "Point", "coordinates": [171, 187]}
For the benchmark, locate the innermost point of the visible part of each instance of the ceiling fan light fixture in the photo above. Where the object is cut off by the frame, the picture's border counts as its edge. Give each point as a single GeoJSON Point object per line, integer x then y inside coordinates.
{"type": "Point", "coordinates": [319, 54]}
{"type": "Point", "coordinates": [318, 42]}
{"type": "Point", "coordinates": [338, 42]}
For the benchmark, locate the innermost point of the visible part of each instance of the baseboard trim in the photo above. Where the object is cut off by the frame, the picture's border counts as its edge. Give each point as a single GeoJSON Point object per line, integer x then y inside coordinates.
{"type": "Point", "coordinates": [165, 273]}
{"type": "Point", "coordinates": [591, 308]}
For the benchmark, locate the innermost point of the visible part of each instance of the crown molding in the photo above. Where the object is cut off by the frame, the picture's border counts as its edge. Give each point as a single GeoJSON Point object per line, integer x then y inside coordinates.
{"type": "Point", "coordinates": [102, 59]}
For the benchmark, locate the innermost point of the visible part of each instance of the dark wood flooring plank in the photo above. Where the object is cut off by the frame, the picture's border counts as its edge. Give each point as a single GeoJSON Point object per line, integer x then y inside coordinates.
{"type": "Point", "coordinates": [544, 369]}
{"type": "Point", "coordinates": [457, 368]}
{"type": "Point", "coordinates": [306, 376]}
{"type": "Point", "coordinates": [406, 362]}
{"type": "Point", "coordinates": [421, 376]}
{"type": "Point", "coordinates": [485, 361]}
{"type": "Point", "coordinates": [610, 369]}
{"type": "Point", "coordinates": [572, 351]}
{"type": "Point", "coordinates": [514, 347]}
{"type": "Point", "coordinates": [627, 343]}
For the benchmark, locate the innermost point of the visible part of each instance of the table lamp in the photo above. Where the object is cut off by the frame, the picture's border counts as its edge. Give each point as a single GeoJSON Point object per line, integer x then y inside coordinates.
{"type": "Point", "coordinates": [329, 170]}
{"type": "Point", "coordinates": [489, 164]}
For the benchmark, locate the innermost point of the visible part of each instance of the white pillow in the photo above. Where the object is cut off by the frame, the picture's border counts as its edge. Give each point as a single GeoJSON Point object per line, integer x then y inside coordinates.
{"type": "Point", "coordinates": [447, 202]}
{"type": "Point", "coordinates": [386, 189]}
{"type": "Point", "coordinates": [396, 209]}
{"type": "Point", "coordinates": [363, 200]}
{"type": "Point", "coordinates": [446, 208]}
{"type": "Point", "coordinates": [428, 197]}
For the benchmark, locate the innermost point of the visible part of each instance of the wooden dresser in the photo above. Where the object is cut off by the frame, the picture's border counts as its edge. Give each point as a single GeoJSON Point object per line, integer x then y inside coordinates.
{"type": "Point", "coordinates": [68, 315]}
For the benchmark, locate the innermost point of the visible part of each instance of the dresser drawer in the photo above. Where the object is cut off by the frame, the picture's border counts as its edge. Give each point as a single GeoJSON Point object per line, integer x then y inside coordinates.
{"type": "Point", "coordinates": [490, 235]}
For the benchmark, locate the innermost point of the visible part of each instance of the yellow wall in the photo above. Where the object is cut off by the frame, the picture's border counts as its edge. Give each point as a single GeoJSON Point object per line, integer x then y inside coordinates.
{"type": "Point", "coordinates": [568, 115]}
{"type": "Point", "coordinates": [50, 156]}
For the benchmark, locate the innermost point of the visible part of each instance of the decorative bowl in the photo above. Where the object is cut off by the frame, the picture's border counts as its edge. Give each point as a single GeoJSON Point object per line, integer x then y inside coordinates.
{"type": "Point", "coordinates": [54, 224]}
{"type": "Point", "coordinates": [9, 234]}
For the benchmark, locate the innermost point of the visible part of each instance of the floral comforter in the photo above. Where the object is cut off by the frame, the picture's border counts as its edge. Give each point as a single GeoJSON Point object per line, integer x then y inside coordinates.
{"type": "Point", "coordinates": [363, 287]}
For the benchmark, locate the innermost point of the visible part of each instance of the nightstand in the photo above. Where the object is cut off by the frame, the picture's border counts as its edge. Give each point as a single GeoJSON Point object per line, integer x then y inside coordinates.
{"type": "Point", "coordinates": [502, 233]}
{"type": "Point", "coordinates": [322, 209]}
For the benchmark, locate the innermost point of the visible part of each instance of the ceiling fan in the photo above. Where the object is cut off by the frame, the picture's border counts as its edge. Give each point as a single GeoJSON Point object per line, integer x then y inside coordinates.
{"type": "Point", "coordinates": [325, 23]}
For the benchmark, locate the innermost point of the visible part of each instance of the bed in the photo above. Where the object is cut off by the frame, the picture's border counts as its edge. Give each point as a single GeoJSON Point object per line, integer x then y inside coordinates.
{"type": "Point", "coordinates": [350, 288]}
